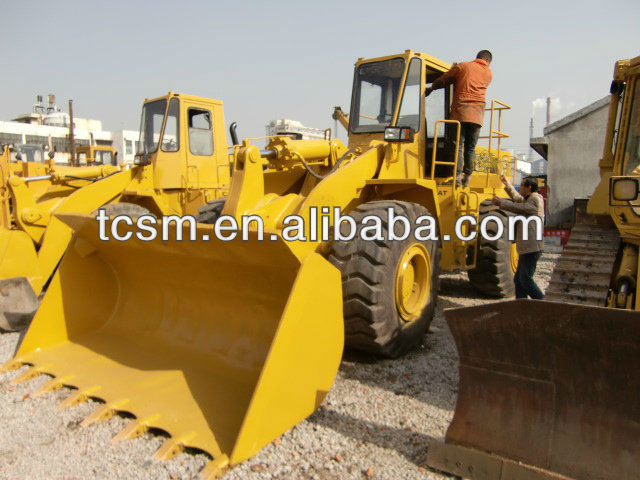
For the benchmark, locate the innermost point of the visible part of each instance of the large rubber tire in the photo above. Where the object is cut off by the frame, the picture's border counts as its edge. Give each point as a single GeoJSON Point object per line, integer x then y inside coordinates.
{"type": "Point", "coordinates": [210, 212]}
{"type": "Point", "coordinates": [493, 274]}
{"type": "Point", "coordinates": [373, 322]}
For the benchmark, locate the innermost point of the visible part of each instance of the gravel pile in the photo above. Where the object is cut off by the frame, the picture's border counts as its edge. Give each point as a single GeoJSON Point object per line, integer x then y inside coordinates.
{"type": "Point", "coordinates": [376, 422]}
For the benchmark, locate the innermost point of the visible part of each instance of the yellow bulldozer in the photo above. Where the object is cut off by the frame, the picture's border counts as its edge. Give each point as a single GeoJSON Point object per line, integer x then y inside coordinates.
{"type": "Point", "coordinates": [549, 389]}
{"type": "Point", "coordinates": [227, 339]}
{"type": "Point", "coordinates": [183, 163]}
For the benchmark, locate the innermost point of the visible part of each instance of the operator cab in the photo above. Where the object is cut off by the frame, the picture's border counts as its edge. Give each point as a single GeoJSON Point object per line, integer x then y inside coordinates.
{"type": "Point", "coordinates": [28, 152]}
{"type": "Point", "coordinates": [393, 88]}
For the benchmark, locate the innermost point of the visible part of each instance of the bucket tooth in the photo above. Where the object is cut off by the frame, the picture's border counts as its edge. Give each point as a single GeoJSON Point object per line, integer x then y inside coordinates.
{"type": "Point", "coordinates": [12, 364]}
{"type": "Point", "coordinates": [53, 384]}
{"type": "Point", "coordinates": [172, 447]}
{"type": "Point", "coordinates": [29, 374]}
{"type": "Point", "coordinates": [77, 397]}
{"type": "Point", "coordinates": [103, 412]}
{"type": "Point", "coordinates": [215, 468]}
{"type": "Point", "coordinates": [135, 428]}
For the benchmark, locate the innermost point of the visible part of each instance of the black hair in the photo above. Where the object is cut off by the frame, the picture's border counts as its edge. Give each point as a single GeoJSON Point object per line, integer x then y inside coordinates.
{"type": "Point", "coordinates": [532, 183]}
{"type": "Point", "coordinates": [485, 55]}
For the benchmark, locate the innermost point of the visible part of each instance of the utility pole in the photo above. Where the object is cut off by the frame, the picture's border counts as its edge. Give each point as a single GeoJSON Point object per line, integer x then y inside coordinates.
{"type": "Point", "coordinates": [71, 137]}
{"type": "Point", "coordinates": [530, 155]}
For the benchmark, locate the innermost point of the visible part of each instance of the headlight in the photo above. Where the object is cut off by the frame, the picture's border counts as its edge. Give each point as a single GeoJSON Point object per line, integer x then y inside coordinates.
{"type": "Point", "coordinates": [624, 189]}
{"type": "Point", "coordinates": [398, 134]}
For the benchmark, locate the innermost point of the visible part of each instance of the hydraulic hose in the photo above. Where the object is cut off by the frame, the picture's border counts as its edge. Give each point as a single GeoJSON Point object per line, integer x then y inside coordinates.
{"type": "Point", "coordinates": [317, 175]}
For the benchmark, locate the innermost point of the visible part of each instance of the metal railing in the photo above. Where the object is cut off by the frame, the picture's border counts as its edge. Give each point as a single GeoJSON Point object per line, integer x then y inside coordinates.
{"type": "Point", "coordinates": [466, 207]}
{"type": "Point", "coordinates": [505, 163]}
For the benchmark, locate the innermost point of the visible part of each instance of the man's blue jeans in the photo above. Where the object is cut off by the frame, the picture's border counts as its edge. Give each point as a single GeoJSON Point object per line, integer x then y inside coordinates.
{"type": "Point", "coordinates": [469, 133]}
{"type": "Point", "coordinates": [525, 285]}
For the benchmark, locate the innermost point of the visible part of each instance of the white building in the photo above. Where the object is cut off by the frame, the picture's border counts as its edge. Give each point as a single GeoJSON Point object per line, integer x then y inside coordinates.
{"type": "Point", "coordinates": [284, 126]}
{"type": "Point", "coordinates": [573, 146]}
{"type": "Point", "coordinates": [126, 144]}
{"type": "Point", "coordinates": [48, 127]}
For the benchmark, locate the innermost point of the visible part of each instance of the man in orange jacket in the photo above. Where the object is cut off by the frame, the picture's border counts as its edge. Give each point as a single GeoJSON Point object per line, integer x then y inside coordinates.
{"type": "Point", "coordinates": [470, 80]}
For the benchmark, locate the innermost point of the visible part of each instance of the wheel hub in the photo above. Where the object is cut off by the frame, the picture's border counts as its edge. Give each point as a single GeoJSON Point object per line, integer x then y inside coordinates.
{"type": "Point", "coordinates": [413, 282]}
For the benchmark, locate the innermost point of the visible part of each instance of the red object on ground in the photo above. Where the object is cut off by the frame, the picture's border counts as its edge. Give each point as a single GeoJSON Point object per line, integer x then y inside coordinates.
{"type": "Point", "coordinates": [563, 233]}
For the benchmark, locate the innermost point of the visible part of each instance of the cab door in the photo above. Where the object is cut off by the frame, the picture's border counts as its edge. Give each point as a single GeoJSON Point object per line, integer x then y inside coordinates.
{"type": "Point", "coordinates": [206, 142]}
{"type": "Point", "coordinates": [170, 166]}
{"type": "Point", "coordinates": [436, 107]}
{"type": "Point", "coordinates": [410, 115]}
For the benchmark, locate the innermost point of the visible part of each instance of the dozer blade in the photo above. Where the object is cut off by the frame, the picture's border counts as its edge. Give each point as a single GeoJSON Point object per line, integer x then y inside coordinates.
{"type": "Point", "coordinates": [224, 345]}
{"type": "Point", "coordinates": [547, 391]}
{"type": "Point", "coordinates": [19, 268]}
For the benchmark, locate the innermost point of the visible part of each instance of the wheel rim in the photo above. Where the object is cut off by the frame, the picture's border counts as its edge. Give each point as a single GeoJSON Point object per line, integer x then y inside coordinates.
{"type": "Point", "coordinates": [513, 257]}
{"type": "Point", "coordinates": [413, 282]}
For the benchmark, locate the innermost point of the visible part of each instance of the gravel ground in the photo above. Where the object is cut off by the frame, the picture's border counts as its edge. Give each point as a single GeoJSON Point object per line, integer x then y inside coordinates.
{"type": "Point", "coordinates": [376, 422]}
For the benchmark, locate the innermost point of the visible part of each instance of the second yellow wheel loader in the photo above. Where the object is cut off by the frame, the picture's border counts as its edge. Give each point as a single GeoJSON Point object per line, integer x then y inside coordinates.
{"type": "Point", "coordinates": [183, 163]}
{"type": "Point", "coordinates": [96, 155]}
{"type": "Point", "coordinates": [549, 389]}
{"type": "Point", "coordinates": [30, 192]}
{"type": "Point", "coordinates": [225, 343]}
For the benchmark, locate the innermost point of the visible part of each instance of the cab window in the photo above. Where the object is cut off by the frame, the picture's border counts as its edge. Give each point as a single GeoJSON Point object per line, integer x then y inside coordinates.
{"type": "Point", "coordinates": [200, 133]}
{"type": "Point", "coordinates": [632, 143]}
{"type": "Point", "coordinates": [435, 106]}
{"type": "Point", "coordinates": [151, 126]}
{"type": "Point", "coordinates": [409, 115]}
{"type": "Point", "coordinates": [171, 135]}
{"type": "Point", "coordinates": [375, 93]}
{"type": "Point", "coordinates": [106, 157]}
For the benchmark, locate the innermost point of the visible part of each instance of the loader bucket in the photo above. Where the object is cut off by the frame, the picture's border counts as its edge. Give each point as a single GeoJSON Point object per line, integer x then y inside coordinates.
{"type": "Point", "coordinates": [18, 269]}
{"type": "Point", "coordinates": [224, 345]}
{"type": "Point", "coordinates": [547, 391]}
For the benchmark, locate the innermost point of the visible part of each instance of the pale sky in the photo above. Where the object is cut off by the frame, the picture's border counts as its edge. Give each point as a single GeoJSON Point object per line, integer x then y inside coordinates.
{"type": "Point", "coordinates": [294, 59]}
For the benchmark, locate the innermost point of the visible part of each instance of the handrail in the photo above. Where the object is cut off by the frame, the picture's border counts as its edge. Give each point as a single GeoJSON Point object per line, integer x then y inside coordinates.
{"type": "Point", "coordinates": [473, 211]}
{"type": "Point", "coordinates": [435, 162]}
{"type": "Point", "coordinates": [495, 132]}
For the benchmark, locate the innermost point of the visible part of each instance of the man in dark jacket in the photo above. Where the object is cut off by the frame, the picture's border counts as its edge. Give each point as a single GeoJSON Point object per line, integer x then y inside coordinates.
{"type": "Point", "coordinates": [527, 203]}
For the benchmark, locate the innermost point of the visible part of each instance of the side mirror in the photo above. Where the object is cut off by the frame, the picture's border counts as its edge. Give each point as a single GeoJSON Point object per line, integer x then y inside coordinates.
{"type": "Point", "coordinates": [398, 134]}
{"type": "Point", "coordinates": [51, 155]}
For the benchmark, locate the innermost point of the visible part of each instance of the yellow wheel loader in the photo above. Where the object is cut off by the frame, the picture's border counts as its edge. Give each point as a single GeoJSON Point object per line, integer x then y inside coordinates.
{"type": "Point", "coordinates": [31, 191]}
{"type": "Point", "coordinates": [96, 155]}
{"type": "Point", "coordinates": [183, 163]}
{"type": "Point", "coordinates": [226, 341]}
{"type": "Point", "coordinates": [549, 389]}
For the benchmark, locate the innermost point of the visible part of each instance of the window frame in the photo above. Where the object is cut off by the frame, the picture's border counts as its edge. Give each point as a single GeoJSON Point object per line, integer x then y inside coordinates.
{"type": "Point", "coordinates": [404, 90]}
{"type": "Point", "coordinates": [357, 93]}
